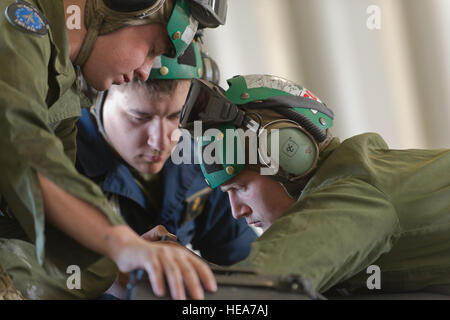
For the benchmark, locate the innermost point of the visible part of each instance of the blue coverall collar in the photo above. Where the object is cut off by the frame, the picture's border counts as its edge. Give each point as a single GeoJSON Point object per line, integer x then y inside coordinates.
{"type": "Point", "coordinates": [117, 177]}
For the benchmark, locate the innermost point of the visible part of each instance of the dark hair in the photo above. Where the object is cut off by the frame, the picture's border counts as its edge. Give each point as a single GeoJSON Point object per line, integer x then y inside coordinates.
{"type": "Point", "coordinates": [154, 87]}
{"type": "Point", "coordinates": [161, 86]}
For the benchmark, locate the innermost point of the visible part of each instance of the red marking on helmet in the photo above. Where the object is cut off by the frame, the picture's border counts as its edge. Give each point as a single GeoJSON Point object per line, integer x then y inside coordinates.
{"type": "Point", "coordinates": [309, 94]}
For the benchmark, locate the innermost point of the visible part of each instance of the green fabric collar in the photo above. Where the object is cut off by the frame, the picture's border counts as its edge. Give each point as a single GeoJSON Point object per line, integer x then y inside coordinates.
{"type": "Point", "coordinates": [325, 153]}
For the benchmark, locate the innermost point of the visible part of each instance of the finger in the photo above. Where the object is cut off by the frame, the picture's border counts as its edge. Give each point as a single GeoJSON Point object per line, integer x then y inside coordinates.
{"type": "Point", "coordinates": [161, 231]}
{"type": "Point", "coordinates": [169, 235]}
{"type": "Point", "coordinates": [150, 236]}
{"type": "Point", "coordinates": [154, 234]}
{"type": "Point", "coordinates": [155, 274]}
{"type": "Point", "coordinates": [191, 278]}
{"type": "Point", "coordinates": [174, 278]}
{"type": "Point", "coordinates": [157, 233]}
{"type": "Point", "coordinates": [204, 272]}
{"type": "Point", "coordinates": [173, 243]}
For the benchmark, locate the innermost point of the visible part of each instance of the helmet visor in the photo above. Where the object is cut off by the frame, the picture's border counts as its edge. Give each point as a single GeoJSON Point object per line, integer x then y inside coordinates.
{"type": "Point", "coordinates": [207, 103]}
{"type": "Point", "coordinates": [210, 13]}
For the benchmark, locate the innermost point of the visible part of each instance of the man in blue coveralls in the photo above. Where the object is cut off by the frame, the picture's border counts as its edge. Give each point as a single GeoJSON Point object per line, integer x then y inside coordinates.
{"type": "Point", "coordinates": [124, 144]}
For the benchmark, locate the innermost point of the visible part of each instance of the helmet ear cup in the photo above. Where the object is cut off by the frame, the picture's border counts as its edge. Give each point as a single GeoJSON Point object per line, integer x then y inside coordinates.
{"type": "Point", "coordinates": [297, 151]}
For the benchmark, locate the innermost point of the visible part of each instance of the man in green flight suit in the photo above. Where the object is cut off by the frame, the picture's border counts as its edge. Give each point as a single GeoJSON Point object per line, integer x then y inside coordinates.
{"type": "Point", "coordinates": [328, 209]}
{"type": "Point", "coordinates": [53, 221]}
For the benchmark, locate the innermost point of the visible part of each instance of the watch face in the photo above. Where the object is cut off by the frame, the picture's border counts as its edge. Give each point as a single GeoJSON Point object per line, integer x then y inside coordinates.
{"type": "Point", "coordinates": [25, 17]}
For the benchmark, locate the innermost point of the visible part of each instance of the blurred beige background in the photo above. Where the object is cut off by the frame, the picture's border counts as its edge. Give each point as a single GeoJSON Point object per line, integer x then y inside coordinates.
{"type": "Point", "coordinates": [393, 80]}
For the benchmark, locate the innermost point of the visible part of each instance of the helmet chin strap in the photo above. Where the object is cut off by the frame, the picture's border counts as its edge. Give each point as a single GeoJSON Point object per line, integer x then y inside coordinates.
{"type": "Point", "coordinates": [294, 188]}
{"type": "Point", "coordinates": [97, 112]}
{"type": "Point", "coordinates": [89, 40]}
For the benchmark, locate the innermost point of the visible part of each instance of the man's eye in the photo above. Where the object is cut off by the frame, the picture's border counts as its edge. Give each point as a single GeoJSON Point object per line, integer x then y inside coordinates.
{"type": "Point", "coordinates": [137, 119]}
{"type": "Point", "coordinates": [174, 117]}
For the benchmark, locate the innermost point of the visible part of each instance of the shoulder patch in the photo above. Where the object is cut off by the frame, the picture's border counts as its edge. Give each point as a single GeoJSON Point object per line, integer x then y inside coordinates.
{"type": "Point", "coordinates": [26, 17]}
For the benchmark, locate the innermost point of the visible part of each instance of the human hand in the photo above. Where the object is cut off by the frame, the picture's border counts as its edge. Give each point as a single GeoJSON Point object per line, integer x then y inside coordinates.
{"type": "Point", "coordinates": [174, 263]}
{"type": "Point", "coordinates": [158, 232]}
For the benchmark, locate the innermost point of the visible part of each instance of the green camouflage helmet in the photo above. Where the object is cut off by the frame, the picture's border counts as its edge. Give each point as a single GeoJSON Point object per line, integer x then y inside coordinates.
{"type": "Point", "coordinates": [181, 28]}
{"type": "Point", "coordinates": [106, 16]}
{"type": "Point", "coordinates": [302, 119]}
{"type": "Point", "coordinates": [192, 64]}
{"type": "Point", "coordinates": [190, 15]}
{"type": "Point", "coordinates": [245, 89]}
{"type": "Point", "coordinates": [187, 66]}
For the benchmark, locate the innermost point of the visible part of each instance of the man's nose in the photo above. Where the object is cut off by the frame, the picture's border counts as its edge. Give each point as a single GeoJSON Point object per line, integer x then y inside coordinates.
{"type": "Point", "coordinates": [143, 72]}
{"type": "Point", "coordinates": [238, 208]}
{"type": "Point", "coordinates": [157, 135]}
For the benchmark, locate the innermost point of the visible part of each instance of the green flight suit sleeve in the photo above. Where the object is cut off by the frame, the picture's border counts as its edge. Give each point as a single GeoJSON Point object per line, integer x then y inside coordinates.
{"type": "Point", "coordinates": [66, 132]}
{"type": "Point", "coordinates": [329, 235]}
{"type": "Point", "coordinates": [27, 143]}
